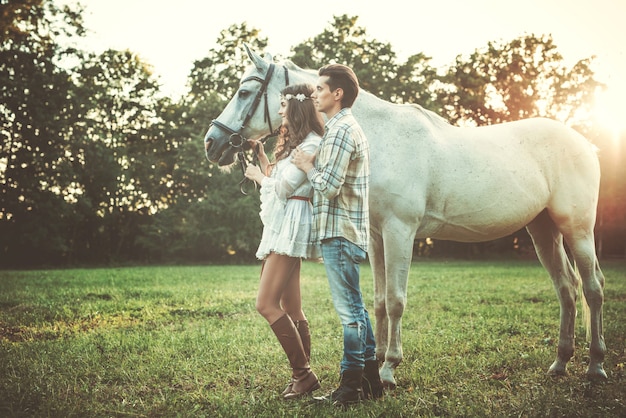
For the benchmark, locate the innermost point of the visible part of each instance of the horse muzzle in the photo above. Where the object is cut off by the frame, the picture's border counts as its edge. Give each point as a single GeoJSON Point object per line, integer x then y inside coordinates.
{"type": "Point", "coordinates": [215, 149]}
{"type": "Point", "coordinates": [222, 155]}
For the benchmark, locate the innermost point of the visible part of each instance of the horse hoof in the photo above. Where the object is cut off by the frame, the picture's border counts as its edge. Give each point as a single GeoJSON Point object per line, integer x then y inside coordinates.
{"type": "Point", "coordinates": [596, 373]}
{"type": "Point", "coordinates": [557, 373]}
{"type": "Point", "coordinates": [386, 376]}
{"type": "Point", "coordinates": [557, 369]}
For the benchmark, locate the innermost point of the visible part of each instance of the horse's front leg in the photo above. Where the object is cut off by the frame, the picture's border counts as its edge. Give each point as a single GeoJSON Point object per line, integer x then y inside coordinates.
{"type": "Point", "coordinates": [377, 262]}
{"type": "Point", "coordinates": [398, 253]}
{"type": "Point", "coordinates": [565, 349]}
{"type": "Point", "coordinates": [548, 242]}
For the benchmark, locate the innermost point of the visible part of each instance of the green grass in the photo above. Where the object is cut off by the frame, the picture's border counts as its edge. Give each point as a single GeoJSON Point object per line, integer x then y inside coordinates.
{"type": "Point", "coordinates": [187, 341]}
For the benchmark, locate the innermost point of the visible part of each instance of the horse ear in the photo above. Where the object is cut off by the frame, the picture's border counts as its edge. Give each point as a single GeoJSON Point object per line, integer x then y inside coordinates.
{"type": "Point", "coordinates": [257, 60]}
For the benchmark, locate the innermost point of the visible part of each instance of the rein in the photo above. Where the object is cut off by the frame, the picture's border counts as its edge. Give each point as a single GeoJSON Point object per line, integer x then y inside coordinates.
{"type": "Point", "coordinates": [237, 141]}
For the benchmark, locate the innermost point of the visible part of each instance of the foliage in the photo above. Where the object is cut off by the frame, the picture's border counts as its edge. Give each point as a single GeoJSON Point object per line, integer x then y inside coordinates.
{"type": "Point", "coordinates": [36, 115]}
{"type": "Point", "coordinates": [520, 79]}
{"type": "Point", "coordinates": [187, 341]}
{"type": "Point", "coordinates": [611, 223]}
{"type": "Point", "coordinates": [208, 219]}
{"type": "Point", "coordinates": [97, 166]}
{"type": "Point", "coordinates": [220, 71]}
{"type": "Point", "coordinates": [373, 62]}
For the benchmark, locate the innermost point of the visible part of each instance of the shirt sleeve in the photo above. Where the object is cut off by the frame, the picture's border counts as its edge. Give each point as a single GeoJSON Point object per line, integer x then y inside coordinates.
{"type": "Point", "coordinates": [332, 164]}
{"type": "Point", "coordinates": [290, 180]}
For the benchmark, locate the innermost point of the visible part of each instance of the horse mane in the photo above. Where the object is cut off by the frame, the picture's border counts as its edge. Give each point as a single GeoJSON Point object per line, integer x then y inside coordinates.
{"type": "Point", "coordinates": [433, 117]}
{"type": "Point", "coordinates": [291, 66]}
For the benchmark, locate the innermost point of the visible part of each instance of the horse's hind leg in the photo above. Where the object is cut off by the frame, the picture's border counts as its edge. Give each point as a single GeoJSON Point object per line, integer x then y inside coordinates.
{"type": "Point", "coordinates": [548, 243]}
{"type": "Point", "coordinates": [582, 246]}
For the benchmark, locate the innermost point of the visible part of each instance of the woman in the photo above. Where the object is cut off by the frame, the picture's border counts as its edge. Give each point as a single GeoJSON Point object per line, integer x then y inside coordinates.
{"type": "Point", "coordinates": [286, 213]}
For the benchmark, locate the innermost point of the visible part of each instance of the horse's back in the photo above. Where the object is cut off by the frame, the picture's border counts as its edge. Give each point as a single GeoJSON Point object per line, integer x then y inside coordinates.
{"type": "Point", "coordinates": [476, 184]}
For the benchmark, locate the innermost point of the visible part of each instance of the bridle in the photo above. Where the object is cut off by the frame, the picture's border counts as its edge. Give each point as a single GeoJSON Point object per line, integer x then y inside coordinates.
{"type": "Point", "coordinates": [236, 140]}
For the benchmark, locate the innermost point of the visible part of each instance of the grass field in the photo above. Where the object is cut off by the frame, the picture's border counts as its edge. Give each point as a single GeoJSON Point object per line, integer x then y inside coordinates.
{"type": "Point", "coordinates": [187, 341]}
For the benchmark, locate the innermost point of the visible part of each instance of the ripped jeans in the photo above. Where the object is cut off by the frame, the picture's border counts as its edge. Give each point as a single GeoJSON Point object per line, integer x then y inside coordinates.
{"type": "Point", "coordinates": [342, 259]}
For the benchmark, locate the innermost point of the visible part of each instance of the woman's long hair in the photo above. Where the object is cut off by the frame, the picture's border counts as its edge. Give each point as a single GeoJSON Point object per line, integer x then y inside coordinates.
{"type": "Point", "coordinates": [302, 117]}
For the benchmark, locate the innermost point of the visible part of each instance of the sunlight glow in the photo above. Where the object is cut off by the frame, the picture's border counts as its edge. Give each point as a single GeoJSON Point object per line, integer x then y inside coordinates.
{"type": "Point", "coordinates": [609, 113]}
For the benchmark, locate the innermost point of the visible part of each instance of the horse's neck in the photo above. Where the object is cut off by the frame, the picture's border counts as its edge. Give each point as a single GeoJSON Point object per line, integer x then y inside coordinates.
{"type": "Point", "coordinates": [366, 101]}
{"type": "Point", "coordinates": [370, 106]}
{"type": "Point", "coordinates": [299, 75]}
{"type": "Point", "coordinates": [373, 111]}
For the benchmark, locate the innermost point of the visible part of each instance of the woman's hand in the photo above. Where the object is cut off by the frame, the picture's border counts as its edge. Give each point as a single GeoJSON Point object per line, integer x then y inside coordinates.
{"type": "Point", "coordinates": [257, 147]}
{"type": "Point", "coordinates": [259, 150]}
{"type": "Point", "coordinates": [253, 172]}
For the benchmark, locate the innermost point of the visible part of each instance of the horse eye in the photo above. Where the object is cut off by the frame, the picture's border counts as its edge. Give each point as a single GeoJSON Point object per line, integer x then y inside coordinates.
{"type": "Point", "coordinates": [243, 94]}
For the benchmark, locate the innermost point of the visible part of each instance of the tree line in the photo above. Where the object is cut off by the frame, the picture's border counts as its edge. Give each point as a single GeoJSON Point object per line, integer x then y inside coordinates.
{"type": "Point", "coordinates": [99, 166]}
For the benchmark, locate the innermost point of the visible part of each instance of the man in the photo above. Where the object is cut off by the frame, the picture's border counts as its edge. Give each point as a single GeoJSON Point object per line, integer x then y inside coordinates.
{"type": "Point", "coordinates": [339, 174]}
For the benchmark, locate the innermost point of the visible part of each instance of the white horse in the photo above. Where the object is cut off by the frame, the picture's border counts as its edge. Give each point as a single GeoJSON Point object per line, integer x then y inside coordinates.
{"type": "Point", "coordinates": [432, 179]}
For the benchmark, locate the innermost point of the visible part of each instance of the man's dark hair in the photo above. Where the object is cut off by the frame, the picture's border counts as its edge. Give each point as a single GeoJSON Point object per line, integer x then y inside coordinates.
{"type": "Point", "coordinates": [341, 76]}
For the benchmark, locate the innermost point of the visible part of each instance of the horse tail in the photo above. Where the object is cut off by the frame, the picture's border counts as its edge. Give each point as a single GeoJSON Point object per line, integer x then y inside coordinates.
{"type": "Point", "coordinates": [584, 306]}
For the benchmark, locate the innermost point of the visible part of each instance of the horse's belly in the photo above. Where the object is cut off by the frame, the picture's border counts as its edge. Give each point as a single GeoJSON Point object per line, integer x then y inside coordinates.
{"type": "Point", "coordinates": [478, 222]}
{"type": "Point", "coordinates": [469, 232]}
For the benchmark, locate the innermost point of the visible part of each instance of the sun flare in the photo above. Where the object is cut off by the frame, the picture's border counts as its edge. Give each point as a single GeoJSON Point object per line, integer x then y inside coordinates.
{"type": "Point", "coordinates": [610, 113]}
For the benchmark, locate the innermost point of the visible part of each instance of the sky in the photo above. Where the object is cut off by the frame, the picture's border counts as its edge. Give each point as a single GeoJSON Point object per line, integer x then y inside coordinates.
{"type": "Point", "coordinates": [171, 35]}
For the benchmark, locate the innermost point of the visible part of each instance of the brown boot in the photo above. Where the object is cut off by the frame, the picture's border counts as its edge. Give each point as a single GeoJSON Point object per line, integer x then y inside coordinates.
{"type": "Point", "coordinates": [305, 336]}
{"type": "Point", "coordinates": [303, 379]}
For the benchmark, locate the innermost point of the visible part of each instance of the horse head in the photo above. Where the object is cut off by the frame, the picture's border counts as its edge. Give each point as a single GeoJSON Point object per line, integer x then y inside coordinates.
{"type": "Point", "coordinates": [251, 113]}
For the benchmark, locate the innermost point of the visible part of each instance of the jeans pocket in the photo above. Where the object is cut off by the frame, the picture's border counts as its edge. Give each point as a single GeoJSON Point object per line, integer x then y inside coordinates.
{"type": "Point", "coordinates": [356, 252]}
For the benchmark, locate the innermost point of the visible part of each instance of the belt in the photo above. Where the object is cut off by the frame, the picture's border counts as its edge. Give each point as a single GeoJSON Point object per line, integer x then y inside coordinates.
{"type": "Point", "coordinates": [306, 199]}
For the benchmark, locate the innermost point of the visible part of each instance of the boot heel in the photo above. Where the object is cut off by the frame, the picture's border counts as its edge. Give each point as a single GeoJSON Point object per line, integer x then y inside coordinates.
{"type": "Point", "coordinates": [303, 386]}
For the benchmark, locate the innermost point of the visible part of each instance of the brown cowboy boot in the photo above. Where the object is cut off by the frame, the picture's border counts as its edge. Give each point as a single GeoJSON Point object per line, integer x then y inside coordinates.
{"type": "Point", "coordinates": [303, 380]}
{"type": "Point", "coordinates": [305, 336]}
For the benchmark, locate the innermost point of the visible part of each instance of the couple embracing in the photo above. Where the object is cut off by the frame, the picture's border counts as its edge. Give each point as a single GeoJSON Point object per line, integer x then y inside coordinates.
{"type": "Point", "coordinates": [314, 202]}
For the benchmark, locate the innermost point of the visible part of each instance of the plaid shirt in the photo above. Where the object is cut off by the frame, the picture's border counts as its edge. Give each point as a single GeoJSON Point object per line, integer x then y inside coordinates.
{"type": "Point", "coordinates": [341, 182]}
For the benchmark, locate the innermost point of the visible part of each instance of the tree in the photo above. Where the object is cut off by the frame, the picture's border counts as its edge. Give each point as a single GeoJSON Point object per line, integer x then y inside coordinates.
{"type": "Point", "coordinates": [206, 217]}
{"type": "Point", "coordinates": [36, 116]}
{"type": "Point", "coordinates": [417, 82]}
{"type": "Point", "coordinates": [375, 63]}
{"type": "Point", "coordinates": [523, 78]}
{"type": "Point", "coordinates": [611, 218]}
{"type": "Point", "coordinates": [120, 155]}
{"type": "Point", "coordinates": [219, 72]}
{"type": "Point", "coordinates": [345, 43]}
{"type": "Point", "coordinates": [97, 166]}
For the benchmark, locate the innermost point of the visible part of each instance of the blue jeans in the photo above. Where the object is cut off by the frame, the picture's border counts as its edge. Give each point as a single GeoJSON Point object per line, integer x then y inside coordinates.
{"type": "Point", "coordinates": [342, 259]}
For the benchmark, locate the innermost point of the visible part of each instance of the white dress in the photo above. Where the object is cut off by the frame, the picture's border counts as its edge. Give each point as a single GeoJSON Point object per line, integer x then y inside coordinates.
{"type": "Point", "coordinates": [287, 221]}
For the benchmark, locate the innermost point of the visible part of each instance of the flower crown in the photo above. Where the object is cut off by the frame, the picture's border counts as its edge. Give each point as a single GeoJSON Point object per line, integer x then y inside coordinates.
{"type": "Point", "coordinates": [299, 97]}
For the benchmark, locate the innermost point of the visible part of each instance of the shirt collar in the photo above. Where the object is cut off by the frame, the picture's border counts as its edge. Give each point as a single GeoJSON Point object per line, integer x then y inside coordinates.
{"type": "Point", "coordinates": [343, 112]}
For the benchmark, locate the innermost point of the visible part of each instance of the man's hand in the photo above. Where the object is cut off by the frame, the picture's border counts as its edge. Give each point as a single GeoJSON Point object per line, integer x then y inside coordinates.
{"type": "Point", "coordinates": [304, 161]}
